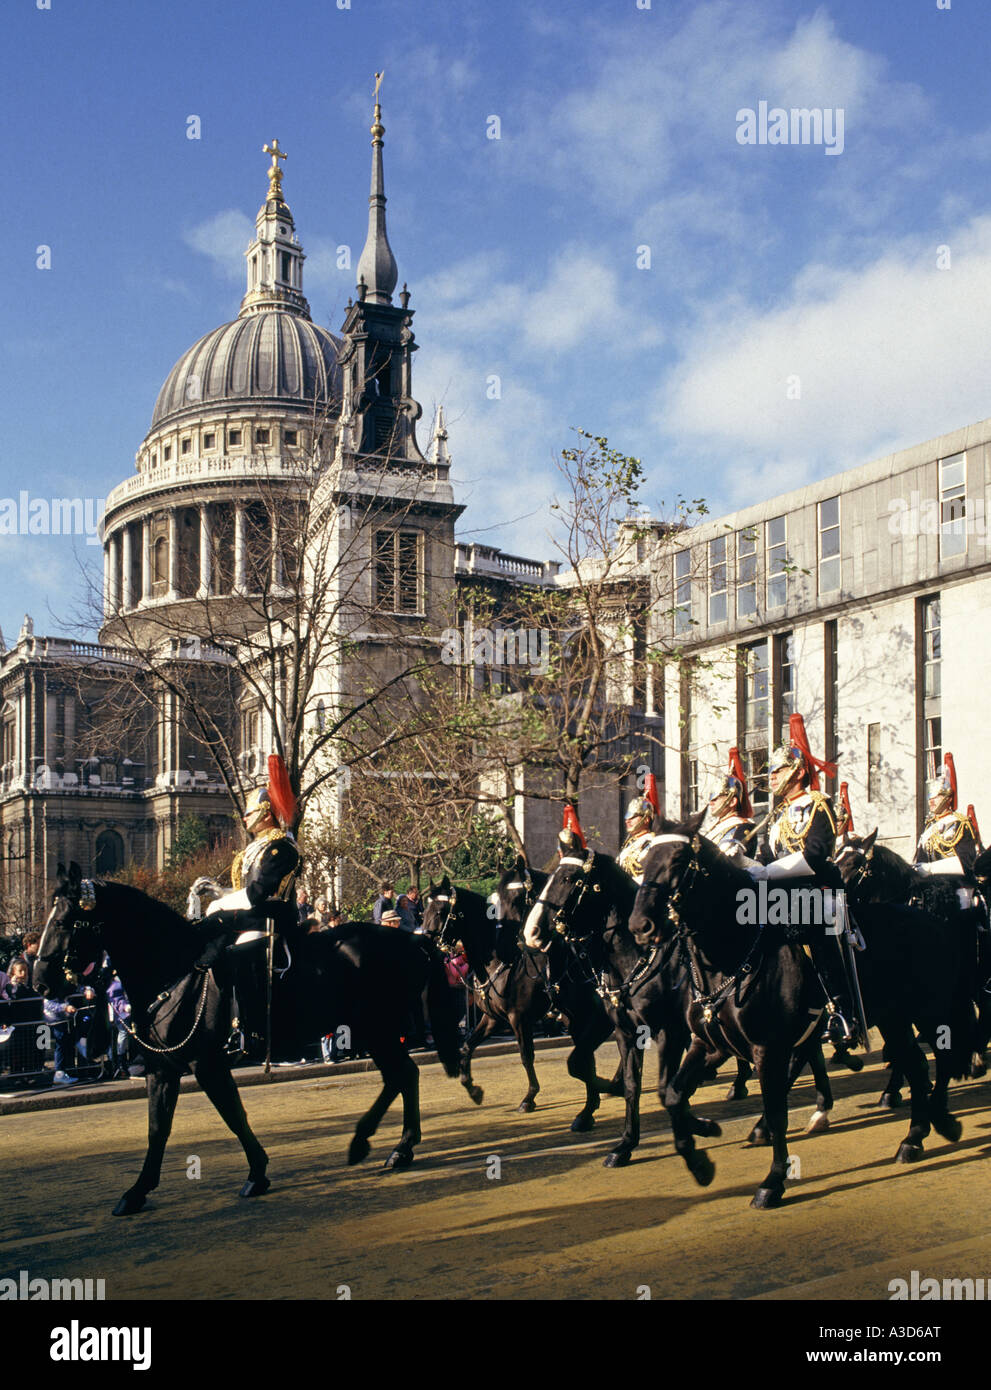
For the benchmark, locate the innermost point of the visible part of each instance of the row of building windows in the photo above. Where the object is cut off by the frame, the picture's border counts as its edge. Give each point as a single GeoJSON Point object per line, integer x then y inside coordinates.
{"type": "Point", "coordinates": [767, 696]}
{"type": "Point", "coordinates": [730, 595]}
{"type": "Point", "coordinates": [235, 440]}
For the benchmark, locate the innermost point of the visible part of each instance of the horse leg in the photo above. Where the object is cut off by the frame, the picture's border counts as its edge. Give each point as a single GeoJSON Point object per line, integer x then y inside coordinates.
{"type": "Point", "coordinates": [738, 1090]}
{"type": "Point", "coordinates": [907, 1056]}
{"type": "Point", "coordinates": [581, 1065]}
{"type": "Point", "coordinates": [811, 1052]}
{"type": "Point", "coordinates": [677, 1095]}
{"type": "Point", "coordinates": [891, 1097]}
{"type": "Point", "coordinates": [940, 1118]}
{"type": "Point", "coordinates": [214, 1076]}
{"type": "Point", "coordinates": [772, 1072]}
{"type": "Point", "coordinates": [409, 1084]}
{"type": "Point", "coordinates": [163, 1092]}
{"type": "Point", "coordinates": [632, 1059]}
{"type": "Point", "coordinates": [523, 1029]}
{"type": "Point", "coordinates": [481, 1031]}
{"type": "Point", "coordinates": [369, 1122]}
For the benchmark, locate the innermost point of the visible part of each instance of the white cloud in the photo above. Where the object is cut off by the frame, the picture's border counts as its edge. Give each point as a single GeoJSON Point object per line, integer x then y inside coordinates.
{"type": "Point", "coordinates": [224, 238]}
{"type": "Point", "coordinates": [886, 355]}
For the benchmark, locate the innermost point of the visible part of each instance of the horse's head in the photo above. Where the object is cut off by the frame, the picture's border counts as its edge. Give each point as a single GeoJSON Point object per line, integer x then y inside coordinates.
{"type": "Point", "coordinates": [669, 869]}
{"type": "Point", "coordinates": [853, 859]}
{"type": "Point", "coordinates": [440, 914]}
{"type": "Point", "coordinates": [572, 901]}
{"type": "Point", "coordinates": [517, 892]}
{"type": "Point", "coordinates": [70, 943]}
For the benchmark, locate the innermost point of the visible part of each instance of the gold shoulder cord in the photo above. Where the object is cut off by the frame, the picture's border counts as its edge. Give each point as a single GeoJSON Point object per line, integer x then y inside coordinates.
{"type": "Point", "coordinates": [946, 845]}
{"type": "Point", "coordinates": [792, 841]}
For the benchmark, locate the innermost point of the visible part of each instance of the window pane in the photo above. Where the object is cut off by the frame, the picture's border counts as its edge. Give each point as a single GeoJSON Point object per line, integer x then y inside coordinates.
{"type": "Point", "coordinates": [829, 512]}
{"type": "Point", "coordinates": [776, 531]}
{"type": "Point", "coordinates": [682, 564]}
{"type": "Point", "coordinates": [777, 591]}
{"type": "Point", "coordinates": [830, 542]}
{"type": "Point", "coordinates": [829, 576]}
{"type": "Point", "coordinates": [746, 600]}
{"type": "Point", "coordinates": [717, 550]}
{"type": "Point", "coordinates": [717, 608]}
{"type": "Point", "coordinates": [951, 472]}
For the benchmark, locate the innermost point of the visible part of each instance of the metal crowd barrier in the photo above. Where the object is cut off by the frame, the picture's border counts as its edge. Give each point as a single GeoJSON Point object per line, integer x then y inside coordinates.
{"type": "Point", "coordinates": [28, 1038]}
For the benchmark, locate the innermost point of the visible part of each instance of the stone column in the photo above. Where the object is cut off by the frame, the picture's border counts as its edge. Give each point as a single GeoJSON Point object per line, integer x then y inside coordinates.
{"type": "Point", "coordinates": [205, 552]}
{"type": "Point", "coordinates": [113, 549]}
{"type": "Point", "coordinates": [127, 600]}
{"type": "Point", "coordinates": [106, 580]}
{"type": "Point", "coordinates": [173, 553]}
{"type": "Point", "coordinates": [240, 550]}
{"type": "Point", "coordinates": [146, 558]}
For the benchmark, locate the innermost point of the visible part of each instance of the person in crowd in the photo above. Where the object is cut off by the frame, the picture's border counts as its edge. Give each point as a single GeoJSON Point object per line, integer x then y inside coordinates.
{"type": "Point", "coordinates": [22, 1009]}
{"type": "Point", "coordinates": [335, 917]}
{"type": "Point", "coordinates": [120, 1041]}
{"type": "Point", "coordinates": [63, 1017]}
{"type": "Point", "coordinates": [416, 904]}
{"type": "Point", "coordinates": [303, 907]}
{"type": "Point", "coordinates": [29, 950]}
{"type": "Point", "coordinates": [390, 918]}
{"type": "Point", "coordinates": [407, 917]}
{"type": "Point", "coordinates": [383, 903]}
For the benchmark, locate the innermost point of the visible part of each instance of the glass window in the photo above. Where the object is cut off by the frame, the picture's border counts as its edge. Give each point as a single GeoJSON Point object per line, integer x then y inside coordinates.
{"type": "Point", "coordinates": [777, 560]}
{"type": "Point", "coordinates": [829, 545]}
{"type": "Point", "coordinates": [186, 446]}
{"type": "Point", "coordinates": [292, 438]}
{"type": "Point", "coordinates": [261, 436]}
{"type": "Point", "coordinates": [234, 437]}
{"type": "Point", "coordinates": [933, 745]}
{"type": "Point", "coordinates": [786, 678]}
{"type": "Point", "coordinates": [756, 688]}
{"type": "Point", "coordinates": [717, 580]}
{"type": "Point", "coordinates": [873, 762]}
{"type": "Point", "coordinates": [746, 574]}
{"type": "Point", "coordinates": [952, 506]}
{"type": "Point", "coordinates": [931, 649]}
{"type": "Point", "coordinates": [209, 440]}
{"type": "Point", "coordinates": [682, 591]}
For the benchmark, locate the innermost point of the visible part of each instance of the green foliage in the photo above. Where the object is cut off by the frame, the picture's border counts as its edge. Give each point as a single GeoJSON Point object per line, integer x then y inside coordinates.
{"type": "Point", "coordinates": [483, 857]}
{"type": "Point", "coordinates": [190, 839]}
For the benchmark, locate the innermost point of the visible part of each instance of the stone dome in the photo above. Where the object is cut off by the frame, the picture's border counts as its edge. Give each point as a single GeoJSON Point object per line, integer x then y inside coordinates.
{"type": "Point", "coordinates": [272, 357]}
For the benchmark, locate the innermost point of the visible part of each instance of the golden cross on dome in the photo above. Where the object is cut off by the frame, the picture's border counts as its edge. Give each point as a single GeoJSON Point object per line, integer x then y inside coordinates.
{"type": "Point", "coordinates": [275, 173]}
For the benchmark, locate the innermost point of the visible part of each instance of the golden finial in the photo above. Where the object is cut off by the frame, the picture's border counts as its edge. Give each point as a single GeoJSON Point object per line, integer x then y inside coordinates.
{"type": "Point", "coordinates": [275, 173]}
{"type": "Point", "coordinates": [378, 129]}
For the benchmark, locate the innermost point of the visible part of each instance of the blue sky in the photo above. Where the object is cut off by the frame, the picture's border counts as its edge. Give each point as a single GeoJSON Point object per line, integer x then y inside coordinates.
{"type": "Point", "coordinates": [618, 131]}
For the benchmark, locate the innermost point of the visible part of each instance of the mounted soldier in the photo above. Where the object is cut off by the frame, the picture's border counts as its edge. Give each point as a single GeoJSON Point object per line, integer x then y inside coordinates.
{"type": "Point", "coordinates": [730, 810]}
{"type": "Point", "coordinates": [949, 843]}
{"type": "Point", "coordinates": [263, 876]}
{"type": "Point", "coordinates": [639, 829]}
{"type": "Point", "coordinates": [799, 847]}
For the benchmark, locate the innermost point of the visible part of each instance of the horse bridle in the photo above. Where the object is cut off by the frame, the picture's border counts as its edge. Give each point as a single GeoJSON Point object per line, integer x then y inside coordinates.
{"type": "Point", "coordinates": [86, 904]}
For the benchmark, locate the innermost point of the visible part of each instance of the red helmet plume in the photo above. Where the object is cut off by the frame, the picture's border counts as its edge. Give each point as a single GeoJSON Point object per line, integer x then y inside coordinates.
{"type": "Point", "coordinates": [845, 803]}
{"type": "Point", "coordinates": [736, 771]}
{"type": "Point", "coordinates": [799, 739]}
{"type": "Point", "coordinates": [280, 791]}
{"type": "Point", "coordinates": [972, 817]}
{"type": "Point", "coordinates": [650, 793]}
{"type": "Point", "coordinates": [572, 825]}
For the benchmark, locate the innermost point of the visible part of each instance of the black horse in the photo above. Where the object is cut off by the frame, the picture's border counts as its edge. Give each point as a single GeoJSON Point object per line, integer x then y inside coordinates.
{"type": "Point", "coordinates": [877, 878]}
{"type": "Point", "coordinates": [760, 998]}
{"type": "Point", "coordinates": [366, 977]}
{"type": "Point", "coordinates": [588, 900]}
{"type": "Point", "coordinates": [520, 987]}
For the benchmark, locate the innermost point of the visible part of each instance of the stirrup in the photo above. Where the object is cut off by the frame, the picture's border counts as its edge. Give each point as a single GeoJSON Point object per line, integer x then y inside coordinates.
{"type": "Point", "coordinates": [235, 1044]}
{"type": "Point", "coordinates": [838, 1031]}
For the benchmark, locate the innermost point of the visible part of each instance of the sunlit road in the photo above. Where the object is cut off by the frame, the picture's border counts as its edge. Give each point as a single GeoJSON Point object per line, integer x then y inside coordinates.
{"type": "Point", "coordinates": [553, 1224]}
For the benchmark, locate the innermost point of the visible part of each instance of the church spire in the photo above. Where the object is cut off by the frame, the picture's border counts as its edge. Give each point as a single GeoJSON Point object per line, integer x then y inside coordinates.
{"type": "Point", "coordinates": [439, 453]}
{"type": "Point", "coordinates": [275, 257]}
{"type": "Point", "coordinates": [377, 270]}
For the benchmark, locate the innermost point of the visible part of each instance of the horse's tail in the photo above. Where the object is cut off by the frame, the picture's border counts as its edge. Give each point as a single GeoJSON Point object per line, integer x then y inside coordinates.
{"type": "Point", "coordinates": [444, 1005]}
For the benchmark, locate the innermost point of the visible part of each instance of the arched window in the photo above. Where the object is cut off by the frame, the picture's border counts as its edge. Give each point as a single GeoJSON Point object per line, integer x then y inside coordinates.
{"type": "Point", "coordinates": [160, 569]}
{"type": "Point", "coordinates": [109, 852]}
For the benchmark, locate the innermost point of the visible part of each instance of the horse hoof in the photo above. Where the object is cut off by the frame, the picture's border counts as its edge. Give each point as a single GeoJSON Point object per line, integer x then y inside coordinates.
{"type": "Point", "coordinates": [476, 1094]}
{"type": "Point", "coordinates": [890, 1100]}
{"type": "Point", "coordinates": [619, 1158]}
{"type": "Point", "coordinates": [582, 1123]}
{"type": "Point", "coordinates": [758, 1138]}
{"type": "Point", "coordinates": [850, 1060]}
{"type": "Point", "coordinates": [702, 1168]}
{"type": "Point", "coordinates": [948, 1126]}
{"type": "Point", "coordinates": [737, 1093]}
{"type": "Point", "coordinates": [525, 1107]}
{"type": "Point", "coordinates": [978, 1066]}
{"type": "Point", "coordinates": [360, 1148]}
{"type": "Point", "coordinates": [708, 1129]}
{"type": "Point", "coordinates": [818, 1124]}
{"type": "Point", "coordinates": [129, 1204]}
{"type": "Point", "coordinates": [765, 1198]}
{"type": "Point", "coordinates": [909, 1153]}
{"type": "Point", "coordinates": [255, 1187]}
{"type": "Point", "coordinates": [399, 1158]}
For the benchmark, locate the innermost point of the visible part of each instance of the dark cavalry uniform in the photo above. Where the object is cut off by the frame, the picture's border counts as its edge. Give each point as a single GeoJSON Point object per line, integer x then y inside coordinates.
{"type": "Point", "coordinates": [729, 832]}
{"type": "Point", "coordinates": [262, 876]}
